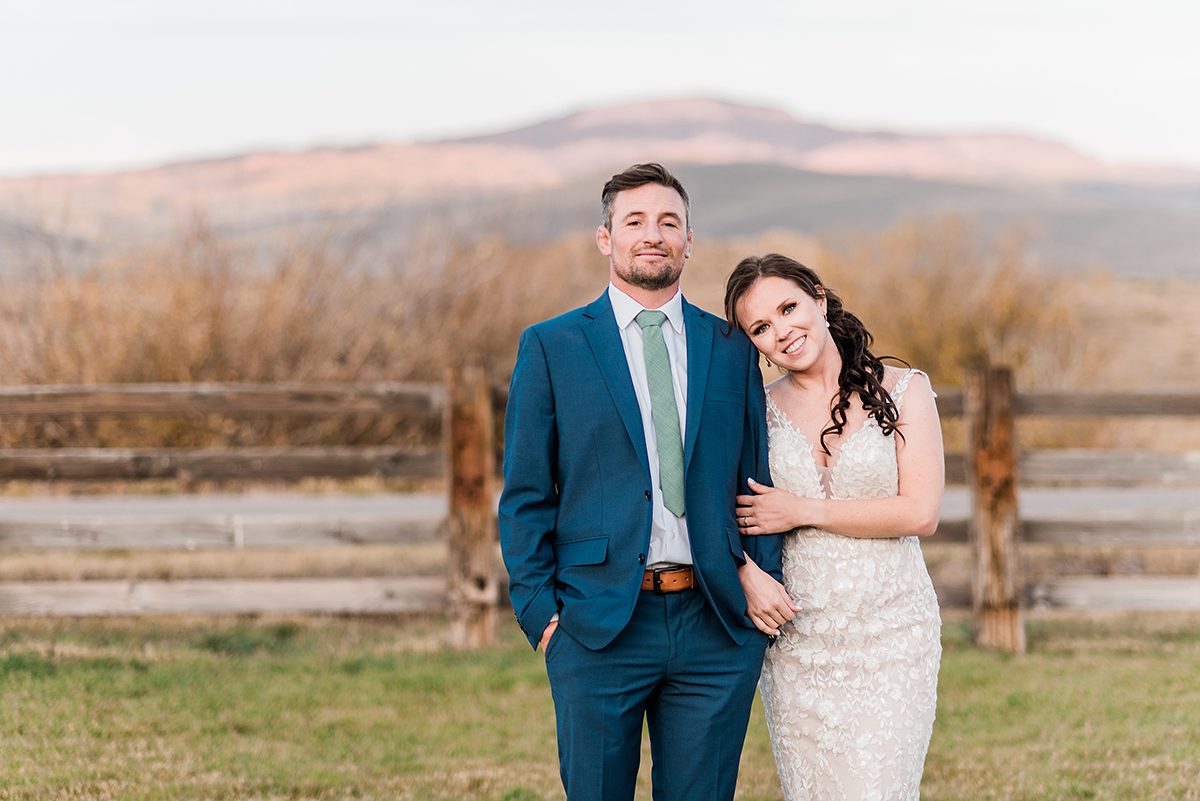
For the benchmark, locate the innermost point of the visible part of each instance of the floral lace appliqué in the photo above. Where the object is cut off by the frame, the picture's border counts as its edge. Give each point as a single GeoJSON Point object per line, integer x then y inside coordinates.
{"type": "Point", "coordinates": [850, 686]}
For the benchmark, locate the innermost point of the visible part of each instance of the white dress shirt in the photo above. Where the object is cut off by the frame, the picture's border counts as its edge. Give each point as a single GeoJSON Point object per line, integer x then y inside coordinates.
{"type": "Point", "coordinates": [669, 544]}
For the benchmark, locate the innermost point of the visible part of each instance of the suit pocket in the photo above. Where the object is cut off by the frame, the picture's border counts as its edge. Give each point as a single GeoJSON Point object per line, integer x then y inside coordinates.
{"type": "Point", "coordinates": [716, 395]}
{"type": "Point", "coordinates": [591, 551]}
{"type": "Point", "coordinates": [551, 646]}
{"type": "Point", "coordinates": [735, 545]}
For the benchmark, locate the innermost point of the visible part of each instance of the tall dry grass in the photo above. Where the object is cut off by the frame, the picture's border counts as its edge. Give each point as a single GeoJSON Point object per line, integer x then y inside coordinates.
{"type": "Point", "coordinates": [203, 308]}
{"type": "Point", "coordinates": [936, 293]}
{"type": "Point", "coordinates": [206, 307]}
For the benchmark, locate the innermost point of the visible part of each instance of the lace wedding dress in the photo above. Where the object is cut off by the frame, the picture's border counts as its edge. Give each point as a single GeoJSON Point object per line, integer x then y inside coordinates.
{"type": "Point", "coordinates": [850, 685]}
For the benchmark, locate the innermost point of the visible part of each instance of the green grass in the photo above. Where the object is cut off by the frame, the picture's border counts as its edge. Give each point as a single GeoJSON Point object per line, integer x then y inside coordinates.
{"type": "Point", "coordinates": [351, 708]}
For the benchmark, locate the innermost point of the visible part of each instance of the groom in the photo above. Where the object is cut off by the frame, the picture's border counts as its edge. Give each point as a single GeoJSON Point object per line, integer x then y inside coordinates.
{"type": "Point", "coordinates": [632, 424]}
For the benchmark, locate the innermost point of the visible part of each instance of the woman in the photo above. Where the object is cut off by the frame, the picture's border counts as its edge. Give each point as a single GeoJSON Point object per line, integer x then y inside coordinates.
{"type": "Point", "coordinates": [850, 685]}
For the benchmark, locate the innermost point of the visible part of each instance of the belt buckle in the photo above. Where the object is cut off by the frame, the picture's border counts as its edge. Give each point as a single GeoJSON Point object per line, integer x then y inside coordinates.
{"type": "Point", "coordinates": [658, 571]}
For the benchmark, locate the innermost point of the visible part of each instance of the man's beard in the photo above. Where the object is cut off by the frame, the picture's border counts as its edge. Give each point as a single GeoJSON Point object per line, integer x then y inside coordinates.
{"type": "Point", "coordinates": [654, 279]}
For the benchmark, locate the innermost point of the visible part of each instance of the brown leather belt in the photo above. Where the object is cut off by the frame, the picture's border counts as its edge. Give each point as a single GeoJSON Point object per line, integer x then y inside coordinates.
{"type": "Point", "coordinates": [669, 579]}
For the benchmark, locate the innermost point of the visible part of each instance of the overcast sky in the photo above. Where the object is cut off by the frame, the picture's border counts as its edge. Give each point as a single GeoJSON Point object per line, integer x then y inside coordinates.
{"type": "Point", "coordinates": [99, 85]}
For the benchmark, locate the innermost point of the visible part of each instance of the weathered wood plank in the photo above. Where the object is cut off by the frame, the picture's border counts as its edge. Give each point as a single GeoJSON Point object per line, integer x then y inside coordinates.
{"type": "Point", "coordinates": [1109, 468]}
{"type": "Point", "coordinates": [994, 524]}
{"type": "Point", "coordinates": [1060, 468]}
{"type": "Point", "coordinates": [1169, 528]}
{"type": "Point", "coordinates": [1091, 593]}
{"type": "Point", "coordinates": [473, 580]}
{"type": "Point", "coordinates": [956, 468]}
{"type": "Point", "coordinates": [214, 532]}
{"type": "Point", "coordinates": [1126, 593]}
{"type": "Point", "coordinates": [1080, 467]}
{"type": "Point", "coordinates": [417, 401]}
{"type": "Point", "coordinates": [1104, 404]}
{"type": "Point", "coordinates": [1133, 529]}
{"type": "Point", "coordinates": [223, 596]}
{"type": "Point", "coordinates": [950, 404]}
{"type": "Point", "coordinates": [130, 464]}
{"type": "Point", "coordinates": [416, 594]}
{"type": "Point", "coordinates": [1084, 404]}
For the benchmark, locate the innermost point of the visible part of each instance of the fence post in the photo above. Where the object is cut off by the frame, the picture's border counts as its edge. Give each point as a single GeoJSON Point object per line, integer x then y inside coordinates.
{"type": "Point", "coordinates": [992, 464]}
{"type": "Point", "coordinates": [473, 576]}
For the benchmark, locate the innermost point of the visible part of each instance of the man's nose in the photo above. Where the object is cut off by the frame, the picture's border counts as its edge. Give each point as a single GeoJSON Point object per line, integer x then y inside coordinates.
{"type": "Point", "coordinates": [652, 233]}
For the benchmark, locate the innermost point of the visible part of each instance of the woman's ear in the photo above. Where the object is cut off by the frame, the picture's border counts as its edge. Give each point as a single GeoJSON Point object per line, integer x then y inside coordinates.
{"type": "Point", "coordinates": [821, 303]}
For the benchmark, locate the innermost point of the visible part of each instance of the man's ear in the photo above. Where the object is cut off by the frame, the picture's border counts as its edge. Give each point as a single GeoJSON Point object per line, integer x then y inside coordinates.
{"type": "Point", "coordinates": [603, 241]}
{"type": "Point", "coordinates": [687, 249]}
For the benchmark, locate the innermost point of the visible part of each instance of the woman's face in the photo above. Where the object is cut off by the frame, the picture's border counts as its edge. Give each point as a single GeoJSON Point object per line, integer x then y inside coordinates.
{"type": "Point", "coordinates": [784, 323]}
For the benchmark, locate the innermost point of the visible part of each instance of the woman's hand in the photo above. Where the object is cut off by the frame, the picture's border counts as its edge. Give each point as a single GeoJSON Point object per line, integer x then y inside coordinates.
{"type": "Point", "coordinates": [767, 602]}
{"type": "Point", "coordinates": [769, 510]}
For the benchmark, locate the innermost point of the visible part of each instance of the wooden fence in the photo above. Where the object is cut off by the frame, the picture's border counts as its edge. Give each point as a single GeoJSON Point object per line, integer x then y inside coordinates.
{"type": "Point", "coordinates": [463, 411]}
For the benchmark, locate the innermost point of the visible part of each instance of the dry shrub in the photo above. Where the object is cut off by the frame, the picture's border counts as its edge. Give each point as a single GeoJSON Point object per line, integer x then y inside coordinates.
{"type": "Point", "coordinates": [201, 308]}
{"type": "Point", "coordinates": [943, 297]}
{"type": "Point", "coordinates": [469, 303]}
{"type": "Point", "coordinates": [195, 309]}
{"type": "Point", "coordinates": [318, 308]}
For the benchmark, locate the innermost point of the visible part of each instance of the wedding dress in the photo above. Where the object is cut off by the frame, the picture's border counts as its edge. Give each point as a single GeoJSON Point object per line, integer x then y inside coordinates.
{"type": "Point", "coordinates": [850, 685]}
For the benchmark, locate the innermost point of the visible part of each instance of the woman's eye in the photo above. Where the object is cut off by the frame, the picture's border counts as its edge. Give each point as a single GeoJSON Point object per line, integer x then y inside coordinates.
{"type": "Point", "coordinates": [788, 308]}
{"type": "Point", "coordinates": [755, 332]}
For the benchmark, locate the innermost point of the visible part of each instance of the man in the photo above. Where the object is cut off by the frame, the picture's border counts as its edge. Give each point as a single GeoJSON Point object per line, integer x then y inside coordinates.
{"type": "Point", "coordinates": [631, 426]}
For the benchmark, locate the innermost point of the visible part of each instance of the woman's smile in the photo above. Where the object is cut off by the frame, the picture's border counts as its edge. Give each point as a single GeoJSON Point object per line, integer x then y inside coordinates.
{"type": "Point", "coordinates": [796, 344]}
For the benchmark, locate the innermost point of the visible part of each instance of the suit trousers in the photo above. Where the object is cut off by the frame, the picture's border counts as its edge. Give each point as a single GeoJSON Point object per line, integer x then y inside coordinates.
{"type": "Point", "coordinates": [673, 666]}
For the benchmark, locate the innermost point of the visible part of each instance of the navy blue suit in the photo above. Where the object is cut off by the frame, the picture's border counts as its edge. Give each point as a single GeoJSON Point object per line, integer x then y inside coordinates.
{"type": "Point", "coordinates": [575, 519]}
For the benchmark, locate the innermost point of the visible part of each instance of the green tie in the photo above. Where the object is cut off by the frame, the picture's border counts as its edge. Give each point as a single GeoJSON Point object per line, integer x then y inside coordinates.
{"type": "Point", "coordinates": [663, 410]}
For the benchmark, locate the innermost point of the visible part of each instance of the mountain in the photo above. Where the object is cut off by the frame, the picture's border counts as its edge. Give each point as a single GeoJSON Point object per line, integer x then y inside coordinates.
{"type": "Point", "coordinates": [756, 168]}
{"type": "Point", "coordinates": [707, 131]}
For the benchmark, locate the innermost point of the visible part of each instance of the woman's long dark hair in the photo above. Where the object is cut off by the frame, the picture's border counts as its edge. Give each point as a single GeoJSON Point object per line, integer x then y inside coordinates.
{"type": "Point", "coordinates": [862, 371]}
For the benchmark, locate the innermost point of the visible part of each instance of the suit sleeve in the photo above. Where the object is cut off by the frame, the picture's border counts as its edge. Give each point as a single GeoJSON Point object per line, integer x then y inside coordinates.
{"type": "Point", "coordinates": [765, 549]}
{"type": "Point", "coordinates": [529, 502]}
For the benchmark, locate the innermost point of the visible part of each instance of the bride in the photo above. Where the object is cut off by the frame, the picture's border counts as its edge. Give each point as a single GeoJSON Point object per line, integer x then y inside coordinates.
{"type": "Point", "coordinates": [850, 685]}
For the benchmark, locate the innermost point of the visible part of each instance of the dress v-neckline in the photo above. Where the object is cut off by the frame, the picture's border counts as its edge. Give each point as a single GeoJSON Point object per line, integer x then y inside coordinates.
{"type": "Point", "coordinates": [812, 453]}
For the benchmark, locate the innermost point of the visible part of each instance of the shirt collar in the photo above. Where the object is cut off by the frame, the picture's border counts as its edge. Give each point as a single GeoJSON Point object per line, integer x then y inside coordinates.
{"type": "Point", "coordinates": [626, 308]}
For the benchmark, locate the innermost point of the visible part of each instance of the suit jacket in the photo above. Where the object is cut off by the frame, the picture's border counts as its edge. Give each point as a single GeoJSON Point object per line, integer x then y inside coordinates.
{"type": "Point", "coordinates": [575, 513]}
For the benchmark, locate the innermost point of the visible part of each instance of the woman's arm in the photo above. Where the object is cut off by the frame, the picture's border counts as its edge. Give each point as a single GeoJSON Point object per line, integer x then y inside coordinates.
{"type": "Point", "coordinates": [913, 511]}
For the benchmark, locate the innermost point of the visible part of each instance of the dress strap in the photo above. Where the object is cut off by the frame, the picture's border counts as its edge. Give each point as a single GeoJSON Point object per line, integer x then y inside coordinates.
{"type": "Point", "coordinates": [775, 412]}
{"type": "Point", "coordinates": [901, 387]}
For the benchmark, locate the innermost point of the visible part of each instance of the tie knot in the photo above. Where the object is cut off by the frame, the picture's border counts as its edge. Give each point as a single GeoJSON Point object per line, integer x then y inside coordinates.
{"type": "Point", "coordinates": [650, 319]}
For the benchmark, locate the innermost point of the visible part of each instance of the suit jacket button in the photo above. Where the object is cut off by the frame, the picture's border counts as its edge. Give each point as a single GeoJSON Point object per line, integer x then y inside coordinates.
{"type": "Point", "coordinates": [648, 495]}
{"type": "Point", "coordinates": [641, 558]}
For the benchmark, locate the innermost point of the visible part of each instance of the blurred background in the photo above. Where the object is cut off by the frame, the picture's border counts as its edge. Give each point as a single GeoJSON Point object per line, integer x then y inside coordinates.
{"type": "Point", "coordinates": [288, 191]}
{"type": "Point", "coordinates": [306, 196]}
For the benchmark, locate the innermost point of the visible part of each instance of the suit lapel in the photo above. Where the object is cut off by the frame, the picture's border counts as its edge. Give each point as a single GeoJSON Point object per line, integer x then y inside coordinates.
{"type": "Point", "coordinates": [698, 330]}
{"type": "Point", "coordinates": [600, 328]}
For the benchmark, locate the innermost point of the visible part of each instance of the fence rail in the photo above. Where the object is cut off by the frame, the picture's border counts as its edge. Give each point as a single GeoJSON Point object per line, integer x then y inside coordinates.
{"type": "Point", "coordinates": [417, 401]}
{"type": "Point", "coordinates": [994, 469]}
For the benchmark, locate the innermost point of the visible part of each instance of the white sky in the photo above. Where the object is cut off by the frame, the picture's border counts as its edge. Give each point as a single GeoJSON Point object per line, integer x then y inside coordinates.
{"type": "Point", "coordinates": [98, 85]}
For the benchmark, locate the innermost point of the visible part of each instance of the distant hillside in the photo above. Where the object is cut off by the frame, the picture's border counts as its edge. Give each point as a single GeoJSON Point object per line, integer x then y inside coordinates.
{"type": "Point", "coordinates": [751, 169]}
{"type": "Point", "coordinates": [708, 131]}
{"type": "Point", "coordinates": [1073, 227]}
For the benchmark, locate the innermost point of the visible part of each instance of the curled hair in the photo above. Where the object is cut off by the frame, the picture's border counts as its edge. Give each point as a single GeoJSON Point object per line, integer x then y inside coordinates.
{"type": "Point", "coordinates": [632, 178]}
{"type": "Point", "coordinates": [862, 371]}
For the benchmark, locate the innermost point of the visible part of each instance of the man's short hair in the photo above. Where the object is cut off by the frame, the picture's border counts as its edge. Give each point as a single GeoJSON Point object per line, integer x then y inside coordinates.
{"type": "Point", "coordinates": [632, 178]}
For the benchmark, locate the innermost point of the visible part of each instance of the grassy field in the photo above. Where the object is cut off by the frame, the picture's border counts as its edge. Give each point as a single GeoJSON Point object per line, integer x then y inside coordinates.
{"type": "Point", "coordinates": [341, 708]}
